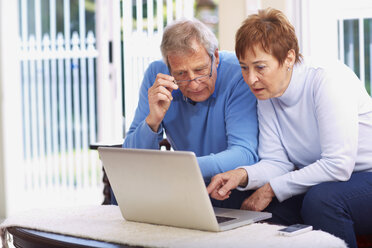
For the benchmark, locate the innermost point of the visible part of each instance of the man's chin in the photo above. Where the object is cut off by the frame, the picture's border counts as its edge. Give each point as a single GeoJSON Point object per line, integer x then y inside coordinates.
{"type": "Point", "coordinates": [198, 98]}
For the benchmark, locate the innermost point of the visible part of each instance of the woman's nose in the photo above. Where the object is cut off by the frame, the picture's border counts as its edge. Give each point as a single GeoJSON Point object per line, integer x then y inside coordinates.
{"type": "Point", "coordinates": [252, 78]}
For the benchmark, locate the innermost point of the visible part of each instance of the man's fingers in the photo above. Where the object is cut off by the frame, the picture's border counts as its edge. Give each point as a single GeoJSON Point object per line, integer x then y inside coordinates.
{"type": "Point", "coordinates": [165, 81]}
{"type": "Point", "coordinates": [165, 76]}
{"type": "Point", "coordinates": [160, 93]}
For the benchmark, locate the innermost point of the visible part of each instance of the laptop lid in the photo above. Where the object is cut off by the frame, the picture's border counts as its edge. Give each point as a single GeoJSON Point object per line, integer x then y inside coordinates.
{"type": "Point", "coordinates": [163, 187]}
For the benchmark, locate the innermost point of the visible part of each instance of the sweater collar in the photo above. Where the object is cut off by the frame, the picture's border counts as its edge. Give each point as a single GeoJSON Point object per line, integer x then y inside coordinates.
{"type": "Point", "coordinates": [294, 90]}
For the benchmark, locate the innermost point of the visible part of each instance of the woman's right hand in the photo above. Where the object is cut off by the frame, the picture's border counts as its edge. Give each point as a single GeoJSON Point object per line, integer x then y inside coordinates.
{"type": "Point", "coordinates": [222, 184]}
{"type": "Point", "coordinates": [160, 97]}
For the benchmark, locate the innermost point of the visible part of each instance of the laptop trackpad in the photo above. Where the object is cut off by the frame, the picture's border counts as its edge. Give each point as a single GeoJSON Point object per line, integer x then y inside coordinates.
{"type": "Point", "coordinates": [222, 219]}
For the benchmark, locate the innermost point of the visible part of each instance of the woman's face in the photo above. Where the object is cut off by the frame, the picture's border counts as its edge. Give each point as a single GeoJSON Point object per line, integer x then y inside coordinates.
{"type": "Point", "coordinates": [263, 73]}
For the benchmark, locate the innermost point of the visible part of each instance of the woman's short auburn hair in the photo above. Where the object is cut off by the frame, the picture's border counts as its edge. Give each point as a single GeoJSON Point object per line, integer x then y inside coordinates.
{"type": "Point", "coordinates": [270, 29]}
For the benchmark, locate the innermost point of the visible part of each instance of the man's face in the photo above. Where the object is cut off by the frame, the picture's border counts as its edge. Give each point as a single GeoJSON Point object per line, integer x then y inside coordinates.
{"type": "Point", "coordinates": [188, 66]}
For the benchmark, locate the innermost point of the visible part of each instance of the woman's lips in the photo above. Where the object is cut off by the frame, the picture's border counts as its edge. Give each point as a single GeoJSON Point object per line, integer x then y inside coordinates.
{"type": "Point", "coordinates": [258, 90]}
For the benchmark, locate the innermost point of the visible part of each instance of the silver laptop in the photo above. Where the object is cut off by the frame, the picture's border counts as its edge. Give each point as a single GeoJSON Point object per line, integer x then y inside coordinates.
{"type": "Point", "coordinates": [167, 188]}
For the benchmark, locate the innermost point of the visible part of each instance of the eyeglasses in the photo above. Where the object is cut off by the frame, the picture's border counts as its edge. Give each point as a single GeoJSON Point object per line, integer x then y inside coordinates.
{"type": "Point", "coordinates": [198, 79]}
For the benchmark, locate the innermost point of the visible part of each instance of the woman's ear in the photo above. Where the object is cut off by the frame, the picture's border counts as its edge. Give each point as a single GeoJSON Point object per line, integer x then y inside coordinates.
{"type": "Point", "coordinates": [291, 58]}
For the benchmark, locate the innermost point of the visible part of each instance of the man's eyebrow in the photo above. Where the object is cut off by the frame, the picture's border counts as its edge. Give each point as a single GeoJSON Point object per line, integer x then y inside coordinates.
{"type": "Point", "coordinates": [202, 66]}
{"type": "Point", "coordinates": [195, 68]}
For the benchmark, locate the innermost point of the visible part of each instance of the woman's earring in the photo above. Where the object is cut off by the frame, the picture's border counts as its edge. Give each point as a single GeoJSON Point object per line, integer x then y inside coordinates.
{"type": "Point", "coordinates": [289, 68]}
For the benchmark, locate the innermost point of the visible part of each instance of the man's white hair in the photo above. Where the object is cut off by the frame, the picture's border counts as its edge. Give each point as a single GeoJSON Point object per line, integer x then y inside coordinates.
{"type": "Point", "coordinates": [179, 35]}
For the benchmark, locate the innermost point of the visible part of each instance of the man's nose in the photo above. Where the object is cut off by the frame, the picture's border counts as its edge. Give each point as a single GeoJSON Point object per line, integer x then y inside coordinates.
{"type": "Point", "coordinates": [194, 84]}
{"type": "Point", "coordinates": [192, 75]}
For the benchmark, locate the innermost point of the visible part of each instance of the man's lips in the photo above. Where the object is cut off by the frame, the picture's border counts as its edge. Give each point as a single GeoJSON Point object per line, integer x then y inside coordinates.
{"type": "Point", "coordinates": [196, 92]}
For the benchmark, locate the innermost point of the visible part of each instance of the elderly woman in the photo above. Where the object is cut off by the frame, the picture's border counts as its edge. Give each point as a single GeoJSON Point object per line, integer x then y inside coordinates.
{"type": "Point", "coordinates": [315, 141]}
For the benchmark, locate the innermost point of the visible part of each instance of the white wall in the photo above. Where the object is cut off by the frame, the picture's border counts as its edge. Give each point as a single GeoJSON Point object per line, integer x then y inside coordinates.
{"type": "Point", "coordinates": [232, 13]}
{"type": "Point", "coordinates": [319, 29]}
{"type": "Point", "coordinates": [10, 109]}
{"type": "Point", "coordinates": [319, 26]}
{"type": "Point", "coordinates": [2, 186]}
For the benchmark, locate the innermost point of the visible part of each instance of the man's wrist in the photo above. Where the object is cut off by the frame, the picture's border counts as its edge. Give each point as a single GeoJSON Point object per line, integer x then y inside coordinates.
{"type": "Point", "coordinates": [153, 125]}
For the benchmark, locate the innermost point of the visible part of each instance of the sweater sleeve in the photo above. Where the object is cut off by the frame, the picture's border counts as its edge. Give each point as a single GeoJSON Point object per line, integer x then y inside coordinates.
{"type": "Point", "coordinates": [336, 106]}
{"type": "Point", "coordinates": [140, 134]}
{"type": "Point", "coordinates": [274, 160]}
{"type": "Point", "coordinates": [241, 131]}
{"type": "Point", "coordinates": [336, 109]}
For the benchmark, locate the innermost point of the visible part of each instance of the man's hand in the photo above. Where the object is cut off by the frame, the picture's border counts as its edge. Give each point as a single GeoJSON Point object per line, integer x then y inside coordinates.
{"type": "Point", "coordinates": [222, 184]}
{"type": "Point", "coordinates": [160, 97]}
{"type": "Point", "coordinates": [260, 199]}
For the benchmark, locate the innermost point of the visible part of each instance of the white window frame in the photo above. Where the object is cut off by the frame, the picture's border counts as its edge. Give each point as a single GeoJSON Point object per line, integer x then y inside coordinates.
{"type": "Point", "coordinates": [360, 15]}
{"type": "Point", "coordinates": [11, 163]}
{"type": "Point", "coordinates": [109, 88]}
{"type": "Point", "coordinates": [319, 28]}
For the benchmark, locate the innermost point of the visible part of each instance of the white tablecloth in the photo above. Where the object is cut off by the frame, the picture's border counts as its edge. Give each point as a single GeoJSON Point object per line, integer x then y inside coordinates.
{"type": "Point", "coordinates": [105, 223]}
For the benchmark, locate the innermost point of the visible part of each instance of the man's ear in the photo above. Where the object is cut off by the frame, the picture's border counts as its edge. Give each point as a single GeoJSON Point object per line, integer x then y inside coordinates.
{"type": "Point", "coordinates": [217, 56]}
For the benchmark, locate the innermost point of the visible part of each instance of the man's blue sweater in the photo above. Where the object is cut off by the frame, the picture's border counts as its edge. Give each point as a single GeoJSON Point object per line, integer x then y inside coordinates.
{"type": "Point", "coordinates": [222, 130]}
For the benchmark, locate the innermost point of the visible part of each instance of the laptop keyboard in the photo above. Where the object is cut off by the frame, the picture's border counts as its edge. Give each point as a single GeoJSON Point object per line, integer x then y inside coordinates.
{"type": "Point", "coordinates": [221, 219]}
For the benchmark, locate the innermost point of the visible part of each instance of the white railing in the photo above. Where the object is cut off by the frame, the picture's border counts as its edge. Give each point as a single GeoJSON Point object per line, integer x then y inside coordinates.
{"type": "Point", "coordinates": [142, 42]}
{"type": "Point", "coordinates": [59, 110]}
{"type": "Point", "coordinates": [59, 91]}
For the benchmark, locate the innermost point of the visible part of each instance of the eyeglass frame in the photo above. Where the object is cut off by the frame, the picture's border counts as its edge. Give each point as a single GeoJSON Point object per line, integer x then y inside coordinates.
{"type": "Point", "coordinates": [178, 82]}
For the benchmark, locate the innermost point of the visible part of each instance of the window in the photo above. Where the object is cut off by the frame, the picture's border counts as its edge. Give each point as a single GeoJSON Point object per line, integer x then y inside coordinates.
{"type": "Point", "coordinates": [339, 30]}
{"type": "Point", "coordinates": [355, 47]}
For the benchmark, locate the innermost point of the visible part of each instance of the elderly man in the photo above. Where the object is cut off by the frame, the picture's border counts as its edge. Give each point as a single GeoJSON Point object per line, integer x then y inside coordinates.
{"type": "Point", "coordinates": [197, 95]}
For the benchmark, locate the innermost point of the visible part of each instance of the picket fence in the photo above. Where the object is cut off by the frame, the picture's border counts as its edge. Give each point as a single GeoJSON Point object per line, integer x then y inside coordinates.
{"type": "Point", "coordinates": [58, 97]}
{"type": "Point", "coordinates": [59, 93]}
{"type": "Point", "coordinates": [142, 41]}
{"type": "Point", "coordinates": [59, 110]}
